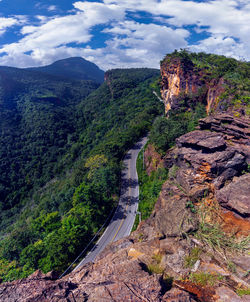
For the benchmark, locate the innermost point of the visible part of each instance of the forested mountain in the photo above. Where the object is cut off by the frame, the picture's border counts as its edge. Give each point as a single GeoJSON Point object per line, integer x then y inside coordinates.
{"type": "Point", "coordinates": [75, 68]}
{"type": "Point", "coordinates": [36, 125]}
{"type": "Point", "coordinates": [60, 160]}
{"type": "Point", "coordinates": [194, 173]}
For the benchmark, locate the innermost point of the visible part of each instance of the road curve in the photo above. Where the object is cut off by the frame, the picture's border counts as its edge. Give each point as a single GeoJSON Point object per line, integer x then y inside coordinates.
{"type": "Point", "coordinates": [123, 220]}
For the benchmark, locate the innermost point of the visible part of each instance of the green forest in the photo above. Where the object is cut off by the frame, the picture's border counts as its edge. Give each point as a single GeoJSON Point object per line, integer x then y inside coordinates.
{"type": "Point", "coordinates": [62, 140]}
{"type": "Point", "coordinates": [211, 68]}
{"type": "Point", "coordinates": [61, 154]}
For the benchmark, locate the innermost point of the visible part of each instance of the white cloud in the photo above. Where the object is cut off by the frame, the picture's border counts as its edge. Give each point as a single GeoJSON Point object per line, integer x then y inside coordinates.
{"type": "Point", "coordinates": [145, 44]}
{"type": "Point", "coordinates": [52, 8]}
{"type": "Point", "coordinates": [63, 30]}
{"type": "Point", "coordinates": [7, 22]}
{"type": "Point", "coordinates": [220, 17]}
{"type": "Point", "coordinates": [130, 43]}
{"type": "Point", "coordinates": [222, 45]}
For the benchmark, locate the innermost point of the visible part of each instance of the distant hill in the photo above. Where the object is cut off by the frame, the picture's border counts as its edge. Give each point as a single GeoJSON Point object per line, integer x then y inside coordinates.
{"type": "Point", "coordinates": [36, 123]}
{"type": "Point", "coordinates": [75, 68]}
{"type": "Point", "coordinates": [60, 152]}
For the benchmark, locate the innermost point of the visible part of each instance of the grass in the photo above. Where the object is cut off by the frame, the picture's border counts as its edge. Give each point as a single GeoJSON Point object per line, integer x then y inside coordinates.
{"type": "Point", "coordinates": [215, 238]}
{"type": "Point", "coordinates": [231, 266]}
{"type": "Point", "coordinates": [212, 235]}
{"type": "Point", "coordinates": [157, 258]}
{"type": "Point", "coordinates": [150, 187]}
{"type": "Point", "coordinates": [193, 257]}
{"type": "Point", "coordinates": [205, 279]}
{"type": "Point", "coordinates": [173, 171]}
{"type": "Point", "coordinates": [155, 266]}
{"type": "Point", "coordinates": [243, 291]}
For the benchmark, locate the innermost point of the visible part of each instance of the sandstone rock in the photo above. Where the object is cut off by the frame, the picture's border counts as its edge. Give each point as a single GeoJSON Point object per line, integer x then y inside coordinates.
{"type": "Point", "coordinates": [174, 218]}
{"type": "Point", "coordinates": [134, 253]}
{"type": "Point", "coordinates": [227, 124]}
{"type": "Point", "coordinates": [236, 195]}
{"type": "Point", "coordinates": [233, 223]}
{"type": "Point", "coordinates": [201, 293]}
{"type": "Point", "coordinates": [36, 288]}
{"type": "Point", "coordinates": [175, 262]}
{"type": "Point", "coordinates": [116, 246]}
{"type": "Point", "coordinates": [243, 262]}
{"type": "Point", "coordinates": [209, 166]}
{"type": "Point", "coordinates": [198, 192]}
{"type": "Point", "coordinates": [213, 268]}
{"type": "Point", "coordinates": [225, 295]}
{"type": "Point", "coordinates": [207, 141]}
{"type": "Point", "coordinates": [180, 80]}
{"type": "Point", "coordinates": [177, 295]}
{"type": "Point", "coordinates": [152, 159]}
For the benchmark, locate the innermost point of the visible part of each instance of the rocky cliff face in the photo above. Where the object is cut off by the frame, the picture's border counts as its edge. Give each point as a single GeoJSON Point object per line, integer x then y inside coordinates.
{"type": "Point", "coordinates": [179, 253]}
{"type": "Point", "coordinates": [194, 247]}
{"type": "Point", "coordinates": [183, 80]}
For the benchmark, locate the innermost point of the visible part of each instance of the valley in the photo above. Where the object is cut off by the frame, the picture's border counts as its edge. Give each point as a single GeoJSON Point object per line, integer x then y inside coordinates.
{"type": "Point", "coordinates": [193, 241]}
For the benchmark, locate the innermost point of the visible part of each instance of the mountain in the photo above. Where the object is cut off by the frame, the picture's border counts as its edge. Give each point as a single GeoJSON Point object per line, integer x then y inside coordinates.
{"type": "Point", "coordinates": [193, 241]}
{"type": "Point", "coordinates": [60, 154]}
{"type": "Point", "coordinates": [74, 68]}
{"type": "Point", "coordinates": [36, 120]}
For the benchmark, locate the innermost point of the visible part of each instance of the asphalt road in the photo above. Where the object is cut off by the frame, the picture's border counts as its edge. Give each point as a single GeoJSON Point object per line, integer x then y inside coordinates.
{"type": "Point", "coordinates": [123, 220]}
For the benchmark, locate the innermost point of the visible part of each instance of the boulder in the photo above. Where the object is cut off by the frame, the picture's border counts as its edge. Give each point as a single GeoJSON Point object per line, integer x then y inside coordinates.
{"type": "Point", "coordinates": [236, 195]}
{"type": "Point", "coordinates": [203, 140]}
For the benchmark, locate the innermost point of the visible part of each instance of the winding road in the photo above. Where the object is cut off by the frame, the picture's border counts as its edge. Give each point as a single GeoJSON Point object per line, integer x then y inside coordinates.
{"type": "Point", "coordinates": [122, 222]}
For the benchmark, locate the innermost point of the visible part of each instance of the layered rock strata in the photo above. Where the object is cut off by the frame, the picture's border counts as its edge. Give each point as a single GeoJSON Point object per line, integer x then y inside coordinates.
{"type": "Point", "coordinates": [208, 169]}
{"type": "Point", "coordinates": [181, 80]}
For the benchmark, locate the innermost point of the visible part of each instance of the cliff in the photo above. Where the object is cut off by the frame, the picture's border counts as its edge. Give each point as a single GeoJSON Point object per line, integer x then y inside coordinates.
{"type": "Point", "coordinates": [218, 82]}
{"type": "Point", "coordinates": [194, 246]}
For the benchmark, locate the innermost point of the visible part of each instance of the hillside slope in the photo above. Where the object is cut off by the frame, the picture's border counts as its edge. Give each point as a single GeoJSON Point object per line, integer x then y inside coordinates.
{"type": "Point", "coordinates": [36, 123]}
{"type": "Point", "coordinates": [195, 244]}
{"type": "Point", "coordinates": [75, 68]}
{"type": "Point", "coordinates": [70, 151]}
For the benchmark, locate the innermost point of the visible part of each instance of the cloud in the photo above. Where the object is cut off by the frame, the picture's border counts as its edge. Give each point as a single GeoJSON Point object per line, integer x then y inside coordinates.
{"type": "Point", "coordinates": [144, 44]}
{"type": "Point", "coordinates": [132, 35]}
{"type": "Point", "coordinates": [52, 8]}
{"type": "Point", "coordinates": [227, 46]}
{"type": "Point", "coordinates": [7, 22]}
{"type": "Point", "coordinates": [63, 30]}
{"type": "Point", "coordinates": [219, 17]}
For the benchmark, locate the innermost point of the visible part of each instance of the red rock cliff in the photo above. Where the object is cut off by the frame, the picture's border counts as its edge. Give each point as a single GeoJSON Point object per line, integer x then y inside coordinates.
{"type": "Point", "coordinates": [182, 79]}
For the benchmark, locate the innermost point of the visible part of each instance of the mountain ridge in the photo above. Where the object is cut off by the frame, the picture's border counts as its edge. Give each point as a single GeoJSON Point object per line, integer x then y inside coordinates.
{"type": "Point", "coordinates": [74, 68]}
{"type": "Point", "coordinates": [193, 242]}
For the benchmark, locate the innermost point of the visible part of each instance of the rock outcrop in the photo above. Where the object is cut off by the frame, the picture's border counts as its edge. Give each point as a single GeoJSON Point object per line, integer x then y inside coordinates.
{"type": "Point", "coordinates": [152, 160]}
{"type": "Point", "coordinates": [179, 79]}
{"type": "Point", "coordinates": [182, 80]}
{"type": "Point", "coordinates": [194, 245]}
{"type": "Point", "coordinates": [166, 258]}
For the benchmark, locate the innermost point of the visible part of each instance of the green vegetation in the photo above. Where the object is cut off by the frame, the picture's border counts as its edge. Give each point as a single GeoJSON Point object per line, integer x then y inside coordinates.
{"type": "Point", "coordinates": [212, 235]}
{"type": "Point", "coordinates": [211, 67]}
{"type": "Point", "coordinates": [243, 291]}
{"type": "Point", "coordinates": [61, 179]}
{"type": "Point", "coordinates": [150, 187]}
{"type": "Point", "coordinates": [190, 205]}
{"type": "Point", "coordinates": [155, 266]}
{"type": "Point", "coordinates": [165, 131]}
{"type": "Point", "coordinates": [193, 257]}
{"type": "Point", "coordinates": [205, 279]}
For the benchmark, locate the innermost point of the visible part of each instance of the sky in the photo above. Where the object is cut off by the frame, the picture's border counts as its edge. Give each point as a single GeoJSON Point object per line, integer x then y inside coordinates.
{"type": "Point", "coordinates": [120, 33]}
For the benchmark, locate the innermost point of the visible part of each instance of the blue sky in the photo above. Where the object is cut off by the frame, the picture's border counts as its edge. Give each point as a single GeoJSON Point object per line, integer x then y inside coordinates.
{"type": "Point", "coordinates": [120, 33]}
